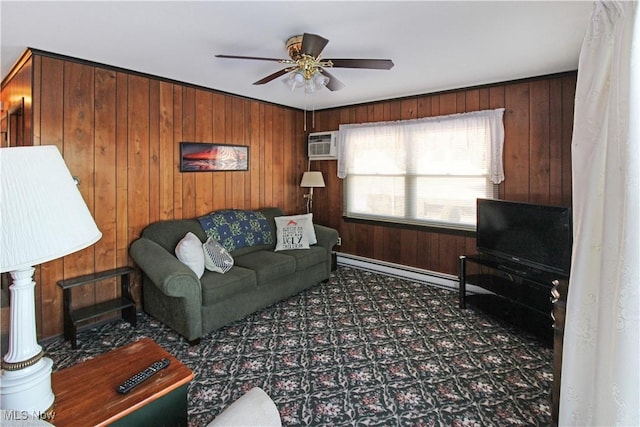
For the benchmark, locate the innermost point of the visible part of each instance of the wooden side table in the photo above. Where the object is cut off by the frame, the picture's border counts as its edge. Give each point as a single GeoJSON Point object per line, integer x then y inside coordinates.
{"type": "Point", "coordinates": [85, 394]}
{"type": "Point", "coordinates": [74, 318]}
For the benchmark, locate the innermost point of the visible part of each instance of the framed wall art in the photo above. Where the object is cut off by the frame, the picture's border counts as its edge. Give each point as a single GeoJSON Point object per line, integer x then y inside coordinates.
{"type": "Point", "coordinates": [207, 157]}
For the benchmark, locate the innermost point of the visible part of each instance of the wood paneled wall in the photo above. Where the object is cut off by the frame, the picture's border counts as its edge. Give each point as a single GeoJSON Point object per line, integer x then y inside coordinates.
{"type": "Point", "coordinates": [16, 102]}
{"type": "Point", "coordinates": [119, 133]}
{"type": "Point", "coordinates": [538, 124]}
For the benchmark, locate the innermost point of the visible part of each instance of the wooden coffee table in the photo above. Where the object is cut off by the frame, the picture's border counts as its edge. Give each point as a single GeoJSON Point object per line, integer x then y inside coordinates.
{"type": "Point", "coordinates": [85, 394]}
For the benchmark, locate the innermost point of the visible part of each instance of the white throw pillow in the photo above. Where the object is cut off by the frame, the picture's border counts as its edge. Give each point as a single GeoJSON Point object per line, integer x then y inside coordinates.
{"type": "Point", "coordinates": [216, 258]}
{"type": "Point", "coordinates": [291, 233]}
{"type": "Point", "coordinates": [189, 252]}
{"type": "Point", "coordinates": [309, 231]}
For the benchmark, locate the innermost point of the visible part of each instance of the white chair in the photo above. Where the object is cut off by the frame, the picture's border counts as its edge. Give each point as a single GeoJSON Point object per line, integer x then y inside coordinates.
{"type": "Point", "coordinates": [254, 409]}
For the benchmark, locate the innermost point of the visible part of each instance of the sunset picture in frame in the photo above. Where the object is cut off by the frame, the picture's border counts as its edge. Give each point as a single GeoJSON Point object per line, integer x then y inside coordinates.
{"type": "Point", "coordinates": [208, 157]}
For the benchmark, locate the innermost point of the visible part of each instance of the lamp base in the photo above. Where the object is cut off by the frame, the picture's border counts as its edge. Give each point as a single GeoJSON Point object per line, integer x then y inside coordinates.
{"type": "Point", "coordinates": [28, 389]}
{"type": "Point", "coordinates": [25, 379]}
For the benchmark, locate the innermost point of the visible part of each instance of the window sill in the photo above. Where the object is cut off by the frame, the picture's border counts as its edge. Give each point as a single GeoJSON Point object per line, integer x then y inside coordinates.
{"type": "Point", "coordinates": [417, 227]}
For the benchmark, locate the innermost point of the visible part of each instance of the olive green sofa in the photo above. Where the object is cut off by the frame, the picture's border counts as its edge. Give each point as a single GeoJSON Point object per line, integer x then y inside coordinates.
{"type": "Point", "coordinates": [173, 294]}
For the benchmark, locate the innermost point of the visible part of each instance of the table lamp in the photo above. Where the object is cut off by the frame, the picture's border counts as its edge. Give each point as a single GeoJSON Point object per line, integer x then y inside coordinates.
{"type": "Point", "coordinates": [42, 217]}
{"type": "Point", "coordinates": [311, 179]}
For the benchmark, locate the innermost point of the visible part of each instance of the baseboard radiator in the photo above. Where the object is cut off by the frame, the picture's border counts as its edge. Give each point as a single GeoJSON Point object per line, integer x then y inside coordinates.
{"type": "Point", "coordinates": [428, 277]}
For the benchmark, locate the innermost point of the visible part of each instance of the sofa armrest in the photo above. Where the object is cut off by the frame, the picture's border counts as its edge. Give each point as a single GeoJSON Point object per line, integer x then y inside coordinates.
{"type": "Point", "coordinates": [254, 408]}
{"type": "Point", "coordinates": [170, 275]}
{"type": "Point", "coordinates": [327, 237]}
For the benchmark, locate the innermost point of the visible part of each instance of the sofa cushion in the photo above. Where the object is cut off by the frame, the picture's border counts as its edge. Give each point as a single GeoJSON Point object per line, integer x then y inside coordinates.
{"type": "Point", "coordinates": [218, 287]}
{"type": "Point", "coordinates": [306, 258]}
{"type": "Point", "coordinates": [236, 228]}
{"type": "Point", "coordinates": [268, 266]}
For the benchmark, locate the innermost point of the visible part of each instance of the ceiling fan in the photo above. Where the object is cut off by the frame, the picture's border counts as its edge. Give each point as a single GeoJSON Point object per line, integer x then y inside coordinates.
{"type": "Point", "coordinates": [306, 67]}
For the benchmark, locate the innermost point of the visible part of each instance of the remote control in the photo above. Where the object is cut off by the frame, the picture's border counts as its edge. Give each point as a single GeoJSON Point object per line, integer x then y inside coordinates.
{"type": "Point", "coordinates": [142, 376]}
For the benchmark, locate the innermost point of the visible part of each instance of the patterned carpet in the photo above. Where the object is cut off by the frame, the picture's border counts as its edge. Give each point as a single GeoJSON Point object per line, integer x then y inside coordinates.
{"type": "Point", "coordinates": [362, 349]}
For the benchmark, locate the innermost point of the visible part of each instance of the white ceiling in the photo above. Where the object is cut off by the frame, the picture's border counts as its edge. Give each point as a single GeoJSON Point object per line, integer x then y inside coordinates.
{"type": "Point", "coordinates": [435, 45]}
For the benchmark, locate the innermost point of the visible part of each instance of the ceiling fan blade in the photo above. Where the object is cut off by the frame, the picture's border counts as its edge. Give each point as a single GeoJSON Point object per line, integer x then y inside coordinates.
{"type": "Point", "coordinates": [333, 84]}
{"type": "Point", "coordinates": [377, 64]}
{"type": "Point", "coordinates": [313, 44]}
{"type": "Point", "coordinates": [272, 76]}
{"type": "Point", "coordinates": [252, 57]}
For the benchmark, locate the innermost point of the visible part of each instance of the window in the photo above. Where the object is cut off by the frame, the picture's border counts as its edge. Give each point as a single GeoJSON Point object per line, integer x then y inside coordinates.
{"type": "Point", "coordinates": [426, 171]}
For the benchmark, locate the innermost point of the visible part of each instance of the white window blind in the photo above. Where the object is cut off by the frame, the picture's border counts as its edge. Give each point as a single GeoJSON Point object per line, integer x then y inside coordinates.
{"type": "Point", "coordinates": [425, 171]}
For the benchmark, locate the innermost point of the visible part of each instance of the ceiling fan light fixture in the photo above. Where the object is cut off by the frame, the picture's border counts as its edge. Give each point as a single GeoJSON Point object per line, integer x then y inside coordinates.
{"type": "Point", "coordinates": [316, 82]}
{"type": "Point", "coordinates": [310, 87]}
{"type": "Point", "coordinates": [307, 68]}
{"type": "Point", "coordinates": [320, 79]}
{"type": "Point", "coordinates": [294, 80]}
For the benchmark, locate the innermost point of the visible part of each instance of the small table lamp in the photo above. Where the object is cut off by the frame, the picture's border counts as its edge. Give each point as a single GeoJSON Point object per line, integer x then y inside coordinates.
{"type": "Point", "coordinates": [43, 217]}
{"type": "Point", "coordinates": [311, 179]}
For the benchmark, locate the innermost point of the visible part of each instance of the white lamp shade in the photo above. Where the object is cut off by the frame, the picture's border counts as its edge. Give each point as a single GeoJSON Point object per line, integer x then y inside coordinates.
{"type": "Point", "coordinates": [312, 179]}
{"type": "Point", "coordinates": [42, 213]}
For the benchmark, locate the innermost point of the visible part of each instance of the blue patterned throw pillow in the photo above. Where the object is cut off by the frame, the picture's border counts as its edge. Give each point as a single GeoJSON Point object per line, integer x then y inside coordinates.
{"type": "Point", "coordinates": [235, 228]}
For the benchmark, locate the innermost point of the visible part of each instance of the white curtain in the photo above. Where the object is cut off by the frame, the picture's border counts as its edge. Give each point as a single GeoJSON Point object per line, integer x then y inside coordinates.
{"type": "Point", "coordinates": [601, 358]}
{"type": "Point", "coordinates": [468, 131]}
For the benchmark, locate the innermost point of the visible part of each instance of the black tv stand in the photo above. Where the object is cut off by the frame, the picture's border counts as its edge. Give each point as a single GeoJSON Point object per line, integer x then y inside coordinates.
{"type": "Point", "coordinates": [519, 294]}
{"type": "Point", "coordinates": [511, 269]}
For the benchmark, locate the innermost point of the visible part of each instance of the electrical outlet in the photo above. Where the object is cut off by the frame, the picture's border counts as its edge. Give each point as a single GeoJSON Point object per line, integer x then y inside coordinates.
{"type": "Point", "coordinates": [339, 241]}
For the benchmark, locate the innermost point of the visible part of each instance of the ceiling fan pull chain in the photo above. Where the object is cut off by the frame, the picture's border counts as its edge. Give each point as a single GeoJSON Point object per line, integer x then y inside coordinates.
{"type": "Point", "coordinates": [305, 116]}
{"type": "Point", "coordinates": [313, 110]}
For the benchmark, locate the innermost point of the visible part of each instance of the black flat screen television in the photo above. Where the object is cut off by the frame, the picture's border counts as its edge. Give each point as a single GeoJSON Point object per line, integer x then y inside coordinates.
{"type": "Point", "coordinates": [537, 236]}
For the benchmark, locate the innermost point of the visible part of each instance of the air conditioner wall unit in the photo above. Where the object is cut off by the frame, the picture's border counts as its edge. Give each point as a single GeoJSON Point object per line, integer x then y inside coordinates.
{"type": "Point", "coordinates": [323, 145]}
